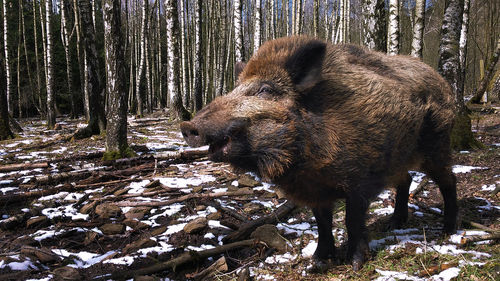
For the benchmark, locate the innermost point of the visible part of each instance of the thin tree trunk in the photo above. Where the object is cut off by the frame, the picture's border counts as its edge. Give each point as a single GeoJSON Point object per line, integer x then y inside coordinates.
{"type": "Point", "coordinates": [418, 29]}
{"type": "Point", "coordinates": [37, 64]}
{"type": "Point", "coordinates": [258, 22]}
{"type": "Point", "coordinates": [65, 31]}
{"type": "Point", "coordinates": [393, 30]}
{"type": "Point", "coordinates": [97, 121]}
{"type": "Point", "coordinates": [51, 114]}
{"type": "Point", "coordinates": [5, 131]}
{"type": "Point", "coordinates": [185, 82]}
{"type": "Point", "coordinates": [8, 73]}
{"type": "Point", "coordinates": [449, 67]}
{"type": "Point", "coordinates": [173, 60]}
{"type": "Point", "coordinates": [142, 59]}
{"type": "Point", "coordinates": [28, 68]}
{"type": "Point", "coordinates": [198, 59]}
{"type": "Point", "coordinates": [238, 32]}
{"type": "Point", "coordinates": [20, 99]}
{"type": "Point", "coordinates": [81, 60]}
{"type": "Point", "coordinates": [487, 77]}
{"type": "Point", "coordinates": [116, 132]}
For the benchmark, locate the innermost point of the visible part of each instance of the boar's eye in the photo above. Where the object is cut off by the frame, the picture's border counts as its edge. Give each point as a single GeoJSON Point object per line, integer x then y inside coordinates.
{"type": "Point", "coordinates": [265, 92]}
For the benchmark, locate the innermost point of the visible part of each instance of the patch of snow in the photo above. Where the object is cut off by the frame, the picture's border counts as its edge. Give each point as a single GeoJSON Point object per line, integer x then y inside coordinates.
{"type": "Point", "coordinates": [25, 265]}
{"type": "Point", "coordinates": [209, 235]}
{"type": "Point", "coordinates": [126, 260]}
{"type": "Point", "coordinates": [418, 214]}
{"type": "Point", "coordinates": [276, 259]}
{"type": "Point", "coordinates": [299, 228]}
{"type": "Point", "coordinates": [162, 248]}
{"type": "Point", "coordinates": [437, 210]}
{"type": "Point", "coordinates": [416, 179]}
{"type": "Point", "coordinates": [266, 187]}
{"type": "Point", "coordinates": [49, 277]}
{"type": "Point", "coordinates": [137, 187]}
{"type": "Point", "coordinates": [7, 189]}
{"type": "Point", "coordinates": [83, 259]}
{"type": "Point", "coordinates": [446, 275]}
{"type": "Point", "coordinates": [457, 169]}
{"type": "Point", "coordinates": [171, 229]}
{"type": "Point", "coordinates": [184, 182]}
{"type": "Point", "coordinates": [388, 275]}
{"type": "Point", "coordinates": [384, 211]}
{"type": "Point", "coordinates": [64, 211]}
{"type": "Point", "coordinates": [200, 248]}
{"type": "Point", "coordinates": [216, 224]}
{"type": "Point", "coordinates": [405, 231]}
{"type": "Point", "coordinates": [464, 152]}
{"type": "Point", "coordinates": [308, 250]}
{"type": "Point", "coordinates": [386, 194]}
{"type": "Point", "coordinates": [490, 187]}
{"type": "Point", "coordinates": [5, 182]}
{"type": "Point", "coordinates": [222, 189]}
{"type": "Point", "coordinates": [235, 183]}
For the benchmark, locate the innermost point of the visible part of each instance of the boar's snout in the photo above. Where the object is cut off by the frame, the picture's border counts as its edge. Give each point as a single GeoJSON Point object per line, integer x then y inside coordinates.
{"type": "Point", "coordinates": [222, 136]}
{"type": "Point", "coordinates": [191, 134]}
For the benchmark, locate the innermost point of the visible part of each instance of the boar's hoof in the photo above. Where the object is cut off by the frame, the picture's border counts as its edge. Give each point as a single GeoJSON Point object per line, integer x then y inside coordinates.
{"type": "Point", "coordinates": [396, 223]}
{"type": "Point", "coordinates": [320, 265]}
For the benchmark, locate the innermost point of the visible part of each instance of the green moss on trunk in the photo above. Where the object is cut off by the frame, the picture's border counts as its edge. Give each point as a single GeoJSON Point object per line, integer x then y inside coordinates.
{"type": "Point", "coordinates": [462, 137]}
{"type": "Point", "coordinates": [123, 153]}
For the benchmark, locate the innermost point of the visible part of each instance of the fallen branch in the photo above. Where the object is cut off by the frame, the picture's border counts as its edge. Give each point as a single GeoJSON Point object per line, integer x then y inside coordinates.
{"type": "Point", "coordinates": [184, 258]}
{"type": "Point", "coordinates": [23, 166]}
{"type": "Point", "coordinates": [478, 238]}
{"type": "Point", "coordinates": [228, 211]}
{"type": "Point", "coordinates": [419, 188]}
{"type": "Point", "coordinates": [246, 229]}
{"type": "Point", "coordinates": [240, 192]}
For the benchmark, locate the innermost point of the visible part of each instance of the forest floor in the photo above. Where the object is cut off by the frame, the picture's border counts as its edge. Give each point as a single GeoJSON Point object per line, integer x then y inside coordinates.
{"type": "Point", "coordinates": [172, 214]}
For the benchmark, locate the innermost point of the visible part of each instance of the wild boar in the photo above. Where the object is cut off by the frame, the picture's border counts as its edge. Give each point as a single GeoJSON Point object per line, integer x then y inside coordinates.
{"type": "Point", "coordinates": [326, 122]}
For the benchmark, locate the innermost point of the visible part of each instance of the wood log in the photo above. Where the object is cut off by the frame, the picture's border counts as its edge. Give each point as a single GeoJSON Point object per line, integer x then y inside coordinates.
{"type": "Point", "coordinates": [184, 258]}
{"type": "Point", "coordinates": [240, 192]}
{"type": "Point", "coordinates": [246, 229]}
{"type": "Point", "coordinates": [23, 166]}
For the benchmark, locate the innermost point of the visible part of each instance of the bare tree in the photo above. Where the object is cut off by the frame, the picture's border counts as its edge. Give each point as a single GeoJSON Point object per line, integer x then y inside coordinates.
{"type": "Point", "coordinates": [198, 59]}
{"type": "Point", "coordinates": [37, 63]}
{"type": "Point", "coordinates": [5, 131]}
{"type": "Point", "coordinates": [65, 32]}
{"type": "Point", "coordinates": [8, 73]}
{"type": "Point", "coordinates": [258, 23]}
{"type": "Point", "coordinates": [418, 29]}
{"type": "Point", "coordinates": [116, 131]}
{"type": "Point", "coordinates": [173, 60]}
{"type": "Point", "coordinates": [449, 67]}
{"type": "Point", "coordinates": [97, 118]}
{"type": "Point", "coordinates": [393, 28]}
{"type": "Point", "coordinates": [142, 59]}
{"type": "Point", "coordinates": [238, 32]}
{"type": "Point", "coordinates": [51, 112]}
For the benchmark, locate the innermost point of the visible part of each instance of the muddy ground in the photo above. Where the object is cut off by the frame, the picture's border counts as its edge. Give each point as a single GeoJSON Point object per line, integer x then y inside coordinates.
{"type": "Point", "coordinates": [66, 214]}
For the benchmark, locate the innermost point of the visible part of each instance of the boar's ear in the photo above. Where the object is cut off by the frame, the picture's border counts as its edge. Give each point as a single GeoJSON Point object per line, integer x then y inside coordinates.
{"type": "Point", "coordinates": [304, 65]}
{"type": "Point", "coordinates": [238, 68]}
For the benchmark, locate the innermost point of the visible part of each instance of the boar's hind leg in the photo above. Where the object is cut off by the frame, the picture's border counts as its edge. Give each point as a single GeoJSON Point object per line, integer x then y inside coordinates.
{"type": "Point", "coordinates": [400, 215]}
{"type": "Point", "coordinates": [326, 244]}
{"type": "Point", "coordinates": [357, 244]}
{"type": "Point", "coordinates": [445, 179]}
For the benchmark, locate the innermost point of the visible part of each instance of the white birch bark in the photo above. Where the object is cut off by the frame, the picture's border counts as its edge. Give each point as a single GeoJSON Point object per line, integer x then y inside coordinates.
{"type": "Point", "coordinates": [198, 59]}
{"type": "Point", "coordinates": [65, 31]}
{"type": "Point", "coordinates": [418, 29]}
{"type": "Point", "coordinates": [37, 61]}
{"type": "Point", "coordinates": [393, 28]}
{"type": "Point", "coordinates": [184, 54]}
{"type": "Point", "coordinates": [369, 22]}
{"type": "Point", "coordinates": [173, 60]}
{"type": "Point", "coordinates": [238, 31]}
{"type": "Point", "coordinates": [51, 116]}
{"type": "Point", "coordinates": [142, 59]}
{"type": "Point", "coordinates": [258, 22]}
{"type": "Point", "coordinates": [8, 73]}
{"type": "Point", "coordinates": [463, 36]}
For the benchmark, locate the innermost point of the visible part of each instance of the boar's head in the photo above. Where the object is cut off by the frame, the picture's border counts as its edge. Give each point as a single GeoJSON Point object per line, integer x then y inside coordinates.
{"type": "Point", "coordinates": [258, 126]}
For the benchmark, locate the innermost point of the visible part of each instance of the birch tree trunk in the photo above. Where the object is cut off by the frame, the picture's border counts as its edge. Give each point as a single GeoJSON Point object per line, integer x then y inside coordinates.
{"type": "Point", "coordinates": [238, 32]}
{"type": "Point", "coordinates": [5, 131]}
{"type": "Point", "coordinates": [8, 73]}
{"type": "Point", "coordinates": [65, 31]}
{"type": "Point", "coordinates": [142, 58]}
{"type": "Point", "coordinates": [37, 64]}
{"type": "Point", "coordinates": [198, 60]}
{"type": "Point", "coordinates": [20, 98]}
{"type": "Point", "coordinates": [316, 18]}
{"type": "Point", "coordinates": [116, 131]}
{"type": "Point", "coordinates": [184, 54]}
{"type": "Point", "coordinates": [81, 61]}
{"type": "Point", "coordinates": [418, 29]}
{"type": "Point", "coordinates": [173, 60]}
{"type": "Point", "coordinates": [51, 114]}
{"type": "Point", "coordinates": [393, 30]}
{"type": "Point", "coordinates": [27, 60]}
{"type": "Point", "coordinates": [258, 21]}
{"type": "Point", "coordinates": [97, 120]}
{"type": "Point", "coordinates": [369, 22]}
{"type": "Point", "coordinates": [449, 67]}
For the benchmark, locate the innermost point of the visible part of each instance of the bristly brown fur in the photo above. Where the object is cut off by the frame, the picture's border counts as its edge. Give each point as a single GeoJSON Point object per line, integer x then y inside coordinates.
{"type": "Point", "coordinates": [333, 121]}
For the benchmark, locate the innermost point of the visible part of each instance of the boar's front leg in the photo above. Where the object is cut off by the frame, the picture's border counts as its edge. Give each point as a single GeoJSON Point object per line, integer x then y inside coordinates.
{"type": "Point", "coordinates": [326, 244]}
{"type": "Point", "coordinates": [357, 244]}
{"type": "Point", "coordinates": [400, 215]}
